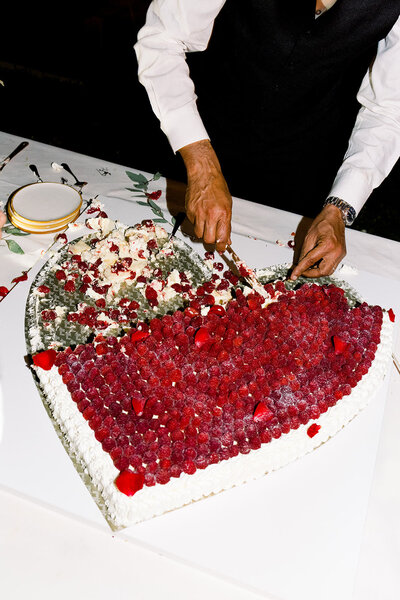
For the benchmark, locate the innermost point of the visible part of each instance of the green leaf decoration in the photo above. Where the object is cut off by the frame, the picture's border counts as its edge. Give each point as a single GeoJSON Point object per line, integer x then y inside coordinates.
{"type": "Point", "coordinates": [155, 208]}
{"type": "Point", "coordinates": [156, 176]}
{"type": "Point", "coordinates": [159, 220]}
{"type": "Point", "coordinates": [173, 220]}
{"type": "Point", "coordinates": [137, 178]}
{"type": "Point", "coordinates": [15, 231]}
{"type": "Point", "coordinates": [141, 203]}
{"type": "Point", "coordinates": [14, 247]}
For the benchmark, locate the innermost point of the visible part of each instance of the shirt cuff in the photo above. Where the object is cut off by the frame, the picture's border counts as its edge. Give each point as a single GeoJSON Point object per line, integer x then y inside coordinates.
{"type": "Point", "coordinates": [184, 126]}
{"type": "Point", "coordinates": [353, 186]}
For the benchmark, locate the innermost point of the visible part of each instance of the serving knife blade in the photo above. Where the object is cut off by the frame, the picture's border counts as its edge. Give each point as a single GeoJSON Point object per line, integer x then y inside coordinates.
{"type": "Point", "coordinates": [248, 274]}
{"type": "Point", "coordinates": [17, 150]}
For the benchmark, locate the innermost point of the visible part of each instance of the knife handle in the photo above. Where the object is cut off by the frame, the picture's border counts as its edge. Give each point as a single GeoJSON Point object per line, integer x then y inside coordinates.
{"type": "Point", "coordinates": [18, 149]}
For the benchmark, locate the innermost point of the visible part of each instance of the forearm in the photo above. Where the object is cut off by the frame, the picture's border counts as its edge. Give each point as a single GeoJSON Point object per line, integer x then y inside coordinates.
{"type": "Point", "coordinates": [200, 160]}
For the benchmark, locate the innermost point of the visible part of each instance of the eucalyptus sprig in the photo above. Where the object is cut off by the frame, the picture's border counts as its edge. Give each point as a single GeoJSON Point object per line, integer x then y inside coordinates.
{"type": "Point", "coordinates": [141, 186]}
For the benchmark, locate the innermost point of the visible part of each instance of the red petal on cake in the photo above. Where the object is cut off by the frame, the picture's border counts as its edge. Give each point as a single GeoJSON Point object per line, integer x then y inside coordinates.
{"type": "Point", "coordinates": [262, 413]}
{"type": "Point", "coordinates": [129, 482]}
{"type": "Point", "coordinates": [22, 277]}
{"type": "Point", "coordinates": [202, 337]}
{"type": "Point", "coordinates": [217, 309]}
{"type": "Point", "coordinates": [191, 312]}
{"type": "Point", "coordinates": [339, 345]}
{"type": "Point", "coordinates": [45, 360]}
{"type": "Point", "coordinates": [313, 430]}
{"type": "Point", "coordinates": [138, 335]}
{"type": "Point", "coordinates": [391, 314]}
{"type": "Point", "coordinates": [138, 403]}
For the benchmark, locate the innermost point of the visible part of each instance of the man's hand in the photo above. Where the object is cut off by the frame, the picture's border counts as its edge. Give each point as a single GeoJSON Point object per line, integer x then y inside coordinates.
{"type": "Point", "coordinates": [208, 201]}
{"type": "Point", "coordinates": [3, 219]}
{"type": "Point", "coordinates": [324, 245]}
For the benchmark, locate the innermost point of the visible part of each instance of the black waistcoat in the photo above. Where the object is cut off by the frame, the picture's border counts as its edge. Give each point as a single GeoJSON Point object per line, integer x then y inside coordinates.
{"type": "Point", "coordinates": [277, 91]}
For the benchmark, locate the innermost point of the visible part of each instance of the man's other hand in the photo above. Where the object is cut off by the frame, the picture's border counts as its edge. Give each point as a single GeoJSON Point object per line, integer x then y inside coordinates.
{"type": "Point", "coordinates": [208, 201]}
{"type": "Point", "coordinates": [324, 245]}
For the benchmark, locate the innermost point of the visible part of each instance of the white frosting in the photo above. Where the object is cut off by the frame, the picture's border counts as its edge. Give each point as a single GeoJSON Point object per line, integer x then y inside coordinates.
{"type": "Point", "coordinates": [155, 500]}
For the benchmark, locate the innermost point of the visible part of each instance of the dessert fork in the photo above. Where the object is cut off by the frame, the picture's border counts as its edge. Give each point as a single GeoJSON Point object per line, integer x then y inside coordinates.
{"type": "Point", "coordinates": [34, 170]}
{"type": "Point", "coordinates": [77, 182]}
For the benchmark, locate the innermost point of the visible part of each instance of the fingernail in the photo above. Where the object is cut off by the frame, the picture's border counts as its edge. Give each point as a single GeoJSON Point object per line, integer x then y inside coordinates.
{"type": "Point", "coordinates": [293, 277]}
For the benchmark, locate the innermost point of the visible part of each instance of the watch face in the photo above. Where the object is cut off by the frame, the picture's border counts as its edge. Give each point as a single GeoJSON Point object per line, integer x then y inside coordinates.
{"type": "Point", "coordinates": [350, 215]}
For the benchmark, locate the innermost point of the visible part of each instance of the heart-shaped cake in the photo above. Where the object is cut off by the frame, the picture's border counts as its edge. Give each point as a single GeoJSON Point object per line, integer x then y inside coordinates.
{"type": "Point", "coordinates": [188, 404]}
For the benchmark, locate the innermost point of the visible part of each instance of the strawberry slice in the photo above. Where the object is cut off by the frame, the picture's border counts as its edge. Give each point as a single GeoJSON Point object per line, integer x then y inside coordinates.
{"type": "Point", "coordinates": [138, 403]}
{"type": "Point", "coordinates": [391, 314]}
{"type": "Point", "coordinates": [262, 413]}
{"type": "Point", "coordinates": [202, 337]}
{"type": "Point", "coordinates": [339, 344]}
{"type": "Point", "coordinates": [138, 335]}
{"type": "Point", "coordinates": [45, 360]}
{"type": "Point", "coordinates": [129, 482]}
{"type": "Point", "coordinates": [313, 430]}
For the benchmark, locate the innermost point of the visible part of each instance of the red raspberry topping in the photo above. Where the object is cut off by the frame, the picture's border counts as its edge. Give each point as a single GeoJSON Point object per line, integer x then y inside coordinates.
{"type": "Point", "coordinates": [43, 289]}
{"type": "Point", "coordinates": [48, 315]}
{"type": "Point", "coordinates": [69, 286]}
{"type": "Point", "coordinates": [189, 390]}
{"type": "Point", "coordinates": [391, 315]}
{"type": "Point", "coordinates": [60, 274]}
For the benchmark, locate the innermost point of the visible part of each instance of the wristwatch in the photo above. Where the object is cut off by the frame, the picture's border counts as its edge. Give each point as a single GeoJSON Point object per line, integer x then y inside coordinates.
{"type": "Point", "coordinates": [348, 212]}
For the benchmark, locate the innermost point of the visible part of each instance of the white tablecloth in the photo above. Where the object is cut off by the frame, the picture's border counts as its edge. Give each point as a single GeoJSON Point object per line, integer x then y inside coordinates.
{"type": "Point", "coordinates": [326, 526]}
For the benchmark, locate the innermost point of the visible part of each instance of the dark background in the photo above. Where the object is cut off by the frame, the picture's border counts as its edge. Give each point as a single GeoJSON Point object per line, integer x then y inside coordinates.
{"type": "Point", "coordinates": [69, 73]}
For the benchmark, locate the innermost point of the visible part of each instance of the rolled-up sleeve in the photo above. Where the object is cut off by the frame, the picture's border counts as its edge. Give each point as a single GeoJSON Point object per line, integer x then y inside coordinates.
{"type": "Point", "coordinates": [173, 28]}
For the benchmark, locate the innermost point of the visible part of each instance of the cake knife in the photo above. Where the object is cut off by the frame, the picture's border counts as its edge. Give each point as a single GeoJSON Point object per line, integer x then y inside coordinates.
{"type": "Point", "coordinates": [248, 274]}
{"type": "Point", "coordinates": [18, 149]}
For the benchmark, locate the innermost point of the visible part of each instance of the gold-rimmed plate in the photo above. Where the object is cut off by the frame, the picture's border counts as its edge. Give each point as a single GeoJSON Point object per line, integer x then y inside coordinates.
{"type": "Point", "coordinates": [44, 207]}
{"type": "Point", "coordinates": [45, 203]}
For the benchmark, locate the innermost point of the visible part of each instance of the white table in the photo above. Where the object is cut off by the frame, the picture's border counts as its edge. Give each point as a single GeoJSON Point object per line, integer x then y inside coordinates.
{"type": "Point", "coordinates": [324, 527]}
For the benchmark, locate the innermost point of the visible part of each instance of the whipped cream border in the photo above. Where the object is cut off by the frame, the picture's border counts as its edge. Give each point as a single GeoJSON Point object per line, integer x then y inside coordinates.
{"type": "Point", "coordinates": [149, 502]}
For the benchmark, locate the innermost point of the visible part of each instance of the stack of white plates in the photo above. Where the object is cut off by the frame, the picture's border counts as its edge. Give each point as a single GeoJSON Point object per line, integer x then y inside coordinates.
{"type": "Point", "coordinates": [44, 207]}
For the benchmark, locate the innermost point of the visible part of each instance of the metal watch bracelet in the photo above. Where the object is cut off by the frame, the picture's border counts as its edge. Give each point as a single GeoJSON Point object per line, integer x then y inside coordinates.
{"type": "Point", "coordinates": [348, 212]}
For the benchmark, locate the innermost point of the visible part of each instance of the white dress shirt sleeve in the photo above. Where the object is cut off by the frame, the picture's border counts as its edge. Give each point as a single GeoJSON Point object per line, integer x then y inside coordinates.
{"type": "Point", "coordinates": [374, 145]}
{"type": "Point", "coordinates": [172, 28]}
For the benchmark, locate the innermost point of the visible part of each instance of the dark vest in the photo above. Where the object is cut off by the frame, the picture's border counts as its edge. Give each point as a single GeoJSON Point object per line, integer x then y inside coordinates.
{"type": "Point", "coordinates": [277, 92]}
